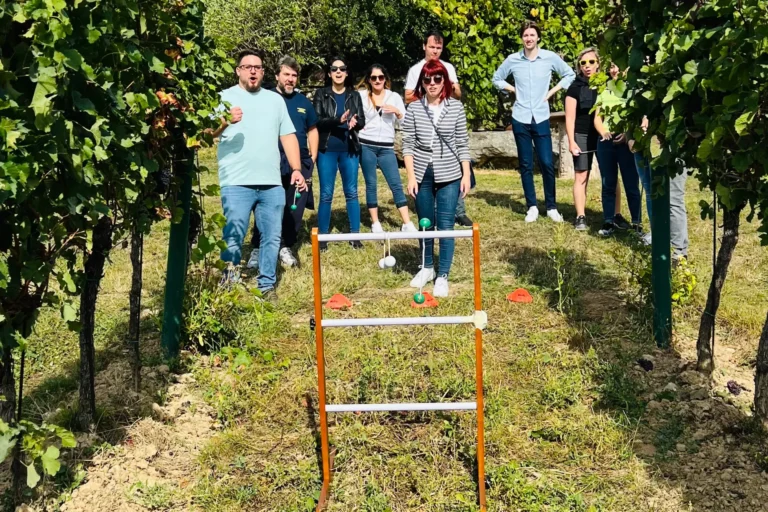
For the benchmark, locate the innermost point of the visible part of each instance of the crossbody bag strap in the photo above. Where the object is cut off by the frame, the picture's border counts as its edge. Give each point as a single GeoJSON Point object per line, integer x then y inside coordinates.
{"type": "Point", "coordinates": [437, 132]}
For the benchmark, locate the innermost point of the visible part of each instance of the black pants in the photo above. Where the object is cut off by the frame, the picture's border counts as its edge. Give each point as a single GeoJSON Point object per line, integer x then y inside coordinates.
{"type": "Point", "coordinates": [291, 218]}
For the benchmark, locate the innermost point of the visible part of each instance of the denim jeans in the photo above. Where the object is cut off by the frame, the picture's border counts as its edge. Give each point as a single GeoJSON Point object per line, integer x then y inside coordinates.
{"type": "Point", "coordinates": [437, 202]}
{"type": "Point", "coordinates": [678, 214]}
{"type": "Point", "coordinates": [387, 161]}
{"type": "Point", "coordinates": [268, 202]}
{"type": "Point", "coordinates": [328, 163]}
{"type": "Point", "coordinates": [644, 170]}
{"type": "Point", "coordinates": [539, 137]}
{"type": "Point", "coordinates": [291, 218]}
{"type": "Point", "coordinates": [612, 157]}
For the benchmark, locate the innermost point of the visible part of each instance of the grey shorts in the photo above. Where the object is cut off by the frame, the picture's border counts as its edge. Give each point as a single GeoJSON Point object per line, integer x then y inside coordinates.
{"type": "Point", "coordinates": [586, 142]}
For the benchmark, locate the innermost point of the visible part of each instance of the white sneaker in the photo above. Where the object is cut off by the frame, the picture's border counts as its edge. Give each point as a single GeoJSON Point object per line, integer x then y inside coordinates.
{"type": "Point", "coordinates": [253, 261]}
{"type": "Point", "coordinates": [554, 215]}
{"type": "Point", "coordinates": [441, 287]}
{"type": "Point", "coordinates": [424, 276]}
{"type": "Point", "coordinates": [409, 228]}
{"type": "Point", "coordinates": [532, 215]}
{"type": "Point", "coordinates": [287, 258]}
{"type": "Point", "coordinates": [646, 238]}
{"type": "Point", "coordinates": [376, 228]}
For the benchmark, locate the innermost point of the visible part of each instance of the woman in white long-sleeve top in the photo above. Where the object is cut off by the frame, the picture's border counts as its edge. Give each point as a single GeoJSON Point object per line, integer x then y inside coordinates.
{"type": "Point", "coordinates": [436, 154]}
{"type": "Point", "coordinates": [383, 109]}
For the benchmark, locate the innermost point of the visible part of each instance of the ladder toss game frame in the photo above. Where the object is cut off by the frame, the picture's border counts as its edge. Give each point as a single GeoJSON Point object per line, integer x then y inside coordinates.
{"type": "Point", "coordinates": [478, 319]}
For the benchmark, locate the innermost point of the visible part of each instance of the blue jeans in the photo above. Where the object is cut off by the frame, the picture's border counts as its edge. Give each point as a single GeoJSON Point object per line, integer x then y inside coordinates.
{"type": "Point", "coordinates": [611, 157]}
{"type": "Point", "coordinates": [328, 163]}
{"type": "Point", "coordinates": [678, 214]}
{"type": "Point", "coordinates": [268, 202]}
{"type": "Point", "coordinates": [387, 161]}
{"type": "Point", "coordinates": [644, 170]}
{"type": "Point", "coordinates": [437, 202]}
{"type": "Point", "coordinates": [539, 137]}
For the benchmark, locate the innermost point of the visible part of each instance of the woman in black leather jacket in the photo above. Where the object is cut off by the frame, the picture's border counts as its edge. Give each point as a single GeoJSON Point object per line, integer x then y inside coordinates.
{"type": "Point", "coordinates": [340, 116]}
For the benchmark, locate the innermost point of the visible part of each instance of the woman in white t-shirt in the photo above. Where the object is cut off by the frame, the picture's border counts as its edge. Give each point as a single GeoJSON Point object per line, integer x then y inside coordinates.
{"type": "Point", "coordinates": [383, 111]}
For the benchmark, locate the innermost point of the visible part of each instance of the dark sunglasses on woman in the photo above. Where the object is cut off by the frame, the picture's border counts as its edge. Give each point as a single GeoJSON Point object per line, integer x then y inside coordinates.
{"type": "Point", "coordinates": [437, 80]}
{"type": "Point", "coordinates": [334, 69]}
{"type": "Point", "coordinates": [585, 62]}
{"type": "Point", "coordinates": [377, 78]}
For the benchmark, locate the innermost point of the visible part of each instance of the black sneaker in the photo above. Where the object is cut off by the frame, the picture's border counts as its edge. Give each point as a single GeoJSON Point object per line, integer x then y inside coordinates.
{"type": "Point", "coordinates": [323, 246]}
{"type": "Point", "coordinates": [620, 222]}
{"type": "Point", "coordinates": [608, 229]}
{"type": "Point", "coordinates": [581, 223]}
{"type": "Point", "coordinates": [356, 244]}
{"type": "Point", "coordinates": [463, 220]}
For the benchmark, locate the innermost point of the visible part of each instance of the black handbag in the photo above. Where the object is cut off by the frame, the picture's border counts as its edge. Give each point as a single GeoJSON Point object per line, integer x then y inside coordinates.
{"type": "Point", "coordinates": [472, 180]}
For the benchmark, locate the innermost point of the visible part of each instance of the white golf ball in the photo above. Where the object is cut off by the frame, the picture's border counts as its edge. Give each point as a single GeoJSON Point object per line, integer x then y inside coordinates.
{"type": "Point", "coordinates": [390, 261]}
{"type": "Point", "coordinates": [382, 263]}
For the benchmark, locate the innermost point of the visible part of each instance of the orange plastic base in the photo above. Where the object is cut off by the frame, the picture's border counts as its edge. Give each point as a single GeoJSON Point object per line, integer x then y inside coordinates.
{"type": "Point", "coordinates": [338, 301]}
{"type": "Point", "coordinates": [520, 295]}
{"type": "Point", "coordinates": [429, 302]}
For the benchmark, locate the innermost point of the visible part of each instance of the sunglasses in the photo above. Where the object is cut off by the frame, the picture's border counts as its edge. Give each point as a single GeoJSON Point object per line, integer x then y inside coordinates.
{"type": "Point", "coordinates": [377, 78]}
{"type": "Point", "coordinates": [334, 69]}
{"type": "Point", "coordinates": [587, 61]}
{"type": "Point", "coordinates": [437, 80]}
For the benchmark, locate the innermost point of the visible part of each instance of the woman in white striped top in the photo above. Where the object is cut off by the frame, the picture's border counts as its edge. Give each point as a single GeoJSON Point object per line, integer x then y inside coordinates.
{"type": "Point", "coordinates": [436, 155]}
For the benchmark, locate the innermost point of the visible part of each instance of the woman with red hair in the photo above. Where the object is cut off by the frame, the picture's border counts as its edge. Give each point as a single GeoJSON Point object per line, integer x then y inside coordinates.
{"type": "Point", "coordinates": [436, 155]}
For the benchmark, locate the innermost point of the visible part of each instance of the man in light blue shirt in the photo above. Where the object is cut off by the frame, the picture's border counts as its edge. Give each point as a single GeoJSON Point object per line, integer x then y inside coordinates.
{"type": "Point", "coordinates": [532, 69]}
{"type": "Point", "coordinates": [249, 167]}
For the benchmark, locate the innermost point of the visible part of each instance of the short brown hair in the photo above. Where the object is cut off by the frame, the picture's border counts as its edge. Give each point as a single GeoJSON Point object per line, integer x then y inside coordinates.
{"type": "Point", "coordinates": [530, 24]}
{"type": "Point", "coordinates": [289, 62]}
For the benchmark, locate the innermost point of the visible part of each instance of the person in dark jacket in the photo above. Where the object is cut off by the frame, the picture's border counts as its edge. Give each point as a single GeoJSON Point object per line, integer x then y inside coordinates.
{"type": "Point", "coordinates": [340, 117]}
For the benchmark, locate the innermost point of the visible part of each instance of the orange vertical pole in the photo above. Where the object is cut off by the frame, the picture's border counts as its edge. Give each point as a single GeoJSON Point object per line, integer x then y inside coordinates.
{"type": "Point", "coordinates": [479, 370]}
{"type": "Point", "coordinates": [320, 371]}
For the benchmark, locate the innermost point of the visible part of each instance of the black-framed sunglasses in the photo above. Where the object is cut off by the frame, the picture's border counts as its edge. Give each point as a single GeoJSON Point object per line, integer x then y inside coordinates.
{"type": "Point", "coordinates": [256, 67]}
{"type": "Point", "coordinates": [377, 78]}
{"type": "Point", "coordinates": [588, 61]}
{"type": "Point", "coordinates": [334, 69]}
{"type": "Point", "coordinates": [436, 79]}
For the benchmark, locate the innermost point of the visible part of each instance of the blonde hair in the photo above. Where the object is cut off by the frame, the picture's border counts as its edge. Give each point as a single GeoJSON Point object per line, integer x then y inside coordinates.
{"type": "Point", "coordinates": [582, 53]}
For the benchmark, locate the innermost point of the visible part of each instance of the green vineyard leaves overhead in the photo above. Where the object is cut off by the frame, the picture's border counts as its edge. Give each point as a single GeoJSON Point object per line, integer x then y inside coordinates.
{"type": "Point", "coordinates": [699, 71]}
{"type": "Point", "coordinates": [94, 97]}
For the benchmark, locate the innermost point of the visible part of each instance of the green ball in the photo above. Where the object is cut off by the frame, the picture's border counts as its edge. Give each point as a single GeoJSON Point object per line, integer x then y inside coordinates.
{"type": "Point", "coordinates": [425, 223]}
{"type": "Point", "coordinates": [298, 195]}
{"type": "Point", "coordinates": [418, 298]}
{"type": "Point", "coordinates": [293, 207]}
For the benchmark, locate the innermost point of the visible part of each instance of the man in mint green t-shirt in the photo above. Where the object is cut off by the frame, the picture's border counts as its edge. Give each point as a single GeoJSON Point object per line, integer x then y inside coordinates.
{"type": "Point", "coordinates": [249, 167]}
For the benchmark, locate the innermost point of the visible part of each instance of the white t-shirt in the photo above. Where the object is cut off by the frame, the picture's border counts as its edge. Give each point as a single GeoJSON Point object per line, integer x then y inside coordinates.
{"type": "Point", "coordinates": [412, 80]}
{"type": "Point", "coordinates": [434, 112]}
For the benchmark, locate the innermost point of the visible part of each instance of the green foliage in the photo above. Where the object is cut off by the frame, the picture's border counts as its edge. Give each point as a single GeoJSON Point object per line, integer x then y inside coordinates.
{"type": "Point", "coordinates": [683, 282]}
{"type": "Point", "coordinates": [364, 31]}
{"type": "Point", "coordinates": [40, 446]}
{"type": "Point", "coordinates": [699, 71]}
{"type": "Point", "coordinates": [483, 33]}
{"type": "Point", "coordinates": [563, 263]}
{"type": "Point", "coordinates": [215, 316]}
{"type": "Point", "coordinates": [96, 98]}
{"type": "Point", "coordinates": [152, 497]}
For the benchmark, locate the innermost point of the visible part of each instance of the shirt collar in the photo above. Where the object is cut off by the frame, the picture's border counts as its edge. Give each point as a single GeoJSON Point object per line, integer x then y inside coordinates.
{"type": "Point", "coordinates": [522, 55]}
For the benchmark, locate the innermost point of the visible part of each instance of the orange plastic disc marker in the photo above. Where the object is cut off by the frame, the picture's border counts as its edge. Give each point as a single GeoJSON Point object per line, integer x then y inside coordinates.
{"type": "Point", "coordinates": [520, 295]}
{"type": "Point", "coordinates": [338, 301]}
{"type": "Point", "coordinates": [429, 302]}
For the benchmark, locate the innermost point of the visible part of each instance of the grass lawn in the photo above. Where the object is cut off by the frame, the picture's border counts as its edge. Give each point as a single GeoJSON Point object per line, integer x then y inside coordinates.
{"type": "Point", "coordinates": [571, 423]}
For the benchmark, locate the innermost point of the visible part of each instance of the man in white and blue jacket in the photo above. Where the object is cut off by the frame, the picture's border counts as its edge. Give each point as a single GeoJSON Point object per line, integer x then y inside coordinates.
{"type": "Point", "coordinates": [531, 69]}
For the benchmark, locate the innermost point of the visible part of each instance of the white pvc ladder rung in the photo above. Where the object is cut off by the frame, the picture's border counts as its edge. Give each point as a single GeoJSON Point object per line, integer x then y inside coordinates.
{"type": "Point", "coordinates": [416, 320]}
{"type": "Point", "coordinates": [435, 406]}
